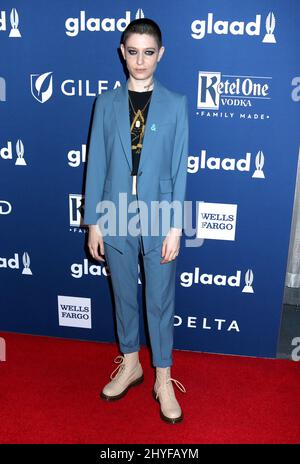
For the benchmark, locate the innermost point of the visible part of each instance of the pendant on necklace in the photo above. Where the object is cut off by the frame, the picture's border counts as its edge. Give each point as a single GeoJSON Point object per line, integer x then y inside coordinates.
{"type": "Point", "coordinates": [138, 123]}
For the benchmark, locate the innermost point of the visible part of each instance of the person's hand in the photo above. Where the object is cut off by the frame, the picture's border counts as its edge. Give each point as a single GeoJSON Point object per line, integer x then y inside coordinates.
{"type": "Point", "coordinates": [171, 245]}
{"type": "Point", "coordinates": [95, 241]}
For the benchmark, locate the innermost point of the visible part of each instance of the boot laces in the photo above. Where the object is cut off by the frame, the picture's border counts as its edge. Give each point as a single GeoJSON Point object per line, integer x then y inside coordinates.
{"type": "Point", "coordinates": [177, 383]}
{"type": "Point", "coordinates": [121, 361]}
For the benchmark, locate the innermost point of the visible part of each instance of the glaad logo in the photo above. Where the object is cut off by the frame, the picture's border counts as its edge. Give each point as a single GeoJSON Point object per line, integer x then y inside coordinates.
{"type": "Point", "coordinates": [14, 21]}
{"type": "Point", "coordinates": [216, 91]}
{"type": "Point", "coordinates": [216, 221]}
{"type": "Point", "coordinates": [5, 207]}
{"type": "Point", "coordinates": [227, 164]}
{"type": "Point", "coordinates": [74, 311]}
{"type": "Point", "coordinates": [13, 263]}
{"type": "Point", "coordinates": [41, 86]}
{"type": "Point", "coordinates": [75, 25]}
{"type": "Point", "coordinates": [187, 279]}
{"type": "Point", "coordinates": [78, 270]}
{"type": "Point", "coordinates": [6, 153]}
{"type": "Point", "coordinates": [253, 28]}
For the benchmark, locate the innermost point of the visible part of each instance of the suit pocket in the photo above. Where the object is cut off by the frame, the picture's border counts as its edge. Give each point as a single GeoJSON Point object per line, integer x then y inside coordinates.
{"type": "Point", "coordinates": [107, 185]}
{"type": "Point", "coordinates": [166, 185]}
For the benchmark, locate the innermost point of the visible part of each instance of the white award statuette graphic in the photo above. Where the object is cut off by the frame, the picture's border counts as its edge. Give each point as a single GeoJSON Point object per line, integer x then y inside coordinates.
{"type": "Point", "coordinates": [14, 21]}
{"type": "Point", "coordinates": [26, 264]}
{"type": "Point", "coordinates": [139, 14]}
{"type": "Point", "coordinates": [20, 161]}
{"type": "Point", "coordinates": [270, 26]}
{"type": "Point", "coordinates": [248, 280]}
{"type": "Point", "coordinates": [259, 164]}
{"type": "Point", "coordinates": [38, 82]}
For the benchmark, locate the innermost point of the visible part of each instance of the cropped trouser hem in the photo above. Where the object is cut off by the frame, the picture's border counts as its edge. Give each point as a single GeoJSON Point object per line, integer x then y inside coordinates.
{"type": "Point", "coordinates": [126, 350]}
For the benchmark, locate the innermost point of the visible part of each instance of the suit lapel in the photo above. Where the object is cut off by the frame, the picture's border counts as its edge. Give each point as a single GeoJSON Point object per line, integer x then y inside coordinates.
{"type": "Point", "coordinates": [121, 107]}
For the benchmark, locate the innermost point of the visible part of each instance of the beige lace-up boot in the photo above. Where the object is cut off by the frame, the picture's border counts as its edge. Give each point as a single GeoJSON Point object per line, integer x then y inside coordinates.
{"type": "Point", "coordinates": [163, 392]}
{"type": "Point", "coordinates": [129, 373]}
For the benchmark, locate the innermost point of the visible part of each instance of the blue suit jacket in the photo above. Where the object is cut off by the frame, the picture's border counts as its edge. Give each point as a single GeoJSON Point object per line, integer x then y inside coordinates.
{"type": "Point", "coordinates": [162, 170]}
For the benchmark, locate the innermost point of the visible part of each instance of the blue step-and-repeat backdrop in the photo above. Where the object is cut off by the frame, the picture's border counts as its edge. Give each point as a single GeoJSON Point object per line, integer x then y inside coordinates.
{"type": "Point", "coordinates": [238, 63]}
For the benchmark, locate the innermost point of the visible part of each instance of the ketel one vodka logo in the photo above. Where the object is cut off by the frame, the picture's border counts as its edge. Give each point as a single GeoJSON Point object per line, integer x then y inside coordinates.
{"type": "Point", "coordinates": [216, 90]}
{"type": "Point", "coordinates": [76, 210]}
{"type": "Point", "coordinates": [41, 86]}
{"type": "Point", "coordinates": [14, 22]}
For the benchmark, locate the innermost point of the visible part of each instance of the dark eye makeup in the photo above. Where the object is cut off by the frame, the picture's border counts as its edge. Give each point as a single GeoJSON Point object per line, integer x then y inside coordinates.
{"type": "Point", "coordinates": [133, 52]}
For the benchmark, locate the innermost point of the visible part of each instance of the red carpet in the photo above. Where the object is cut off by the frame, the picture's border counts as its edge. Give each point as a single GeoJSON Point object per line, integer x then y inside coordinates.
{"type": "Point", "coordinates": [50, 394]}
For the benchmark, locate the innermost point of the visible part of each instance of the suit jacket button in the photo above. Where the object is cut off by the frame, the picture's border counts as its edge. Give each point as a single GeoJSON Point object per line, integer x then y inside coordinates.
{"type": "Point", "coordinates": [140, 173]}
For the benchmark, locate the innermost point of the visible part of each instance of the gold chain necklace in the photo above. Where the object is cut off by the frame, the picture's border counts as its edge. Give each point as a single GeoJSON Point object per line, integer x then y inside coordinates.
{"type": "Point", "coordinates": [138, 118]}
{"type": "Point", "coordinates": [138, 115]}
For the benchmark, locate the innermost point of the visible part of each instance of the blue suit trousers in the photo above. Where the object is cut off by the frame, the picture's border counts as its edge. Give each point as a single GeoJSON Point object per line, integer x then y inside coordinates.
{"type": "Point", "coordinates": [160, 297]}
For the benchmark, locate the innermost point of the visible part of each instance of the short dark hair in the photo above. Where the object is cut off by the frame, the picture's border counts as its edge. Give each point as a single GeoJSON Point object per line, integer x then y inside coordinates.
{"type": "Point", "coordinates": [143, 26]}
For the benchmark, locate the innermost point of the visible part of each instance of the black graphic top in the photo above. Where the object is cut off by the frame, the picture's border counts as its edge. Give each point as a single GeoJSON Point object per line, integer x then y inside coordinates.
{"type": "Point", "coordinates": [138, 124]}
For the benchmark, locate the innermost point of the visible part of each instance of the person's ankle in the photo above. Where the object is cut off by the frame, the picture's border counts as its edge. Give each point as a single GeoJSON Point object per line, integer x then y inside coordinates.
{"type": "Point", "coordinates": [132, 356]}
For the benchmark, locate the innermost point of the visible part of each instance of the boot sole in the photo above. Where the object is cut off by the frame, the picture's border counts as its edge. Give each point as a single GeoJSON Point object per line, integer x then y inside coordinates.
{"type": "Point", "coordinates": [170, 420]}
{"type": "Point", "coordinates": [123, 393]}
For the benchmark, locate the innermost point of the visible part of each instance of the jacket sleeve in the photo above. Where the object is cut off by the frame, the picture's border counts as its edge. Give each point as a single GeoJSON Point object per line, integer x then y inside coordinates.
{"type": "Point", "coordinates": [179, 164]}
{"type": "Point", "coordinates": [96, 166]}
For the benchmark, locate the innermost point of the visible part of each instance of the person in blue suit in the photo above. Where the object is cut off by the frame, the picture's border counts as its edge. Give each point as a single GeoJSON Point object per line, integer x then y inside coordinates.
{"type": "Point", "coordinates": [137, 160]}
